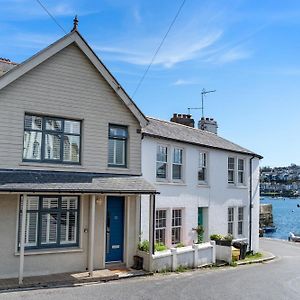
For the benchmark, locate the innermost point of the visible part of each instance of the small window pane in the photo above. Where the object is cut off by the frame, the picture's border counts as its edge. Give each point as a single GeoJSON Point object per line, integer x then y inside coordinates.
{"type": "Point", "coordinates": [177, 172]}
{"type": "Point", "coordinates": [32, 145]}
{"type": "Point", "coordinates": [117, 131]}
{"type": "Point", "coordinates": [69, 203]}
{"type": "Point", "coordinates": [50, 203]}
{"type": "Point", "coordinates": [231, 163]}
{"type": "Point", "coordinates": [72, 127]}
{"type": "Point", "coordinates": [120, 152]}
{"type": "Point", "coordinates": [240, 164]}
{"type": "Point", "coordinates": [177, 156]}
{"type": "Point", "coordinates": [49, 228]}
{"type": "Point", "coordinates": [53, 124]}
{"type": "Point", "coordinates": [33, 122]}
{"type": "Point", "coordinates": [71, 148]}
{"type": "Point", "coordinates": [52, 146]}
{"type": "Point", "coordinates": [161, 154]}
{"type": "Point", "coordinates": [161, 170]}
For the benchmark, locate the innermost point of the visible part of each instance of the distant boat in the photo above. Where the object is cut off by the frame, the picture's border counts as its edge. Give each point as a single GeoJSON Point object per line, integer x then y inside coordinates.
{"type": "Point", "coordinates": [294, 237]}
{"type": "Point", "coordinates": [268, 229]}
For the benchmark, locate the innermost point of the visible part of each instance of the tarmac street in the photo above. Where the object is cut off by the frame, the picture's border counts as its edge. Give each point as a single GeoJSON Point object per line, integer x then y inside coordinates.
{"type": "Point", "coordinates": [277, 279]}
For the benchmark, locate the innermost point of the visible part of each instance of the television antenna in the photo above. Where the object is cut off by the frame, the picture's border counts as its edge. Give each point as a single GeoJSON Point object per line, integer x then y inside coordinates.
{"type": "Point", "coordinates": [203, 94]}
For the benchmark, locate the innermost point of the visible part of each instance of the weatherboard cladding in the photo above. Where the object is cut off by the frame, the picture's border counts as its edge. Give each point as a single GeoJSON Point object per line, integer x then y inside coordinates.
{"type": "Point", "coordinates": [71, 182]}
{"type": "Point", "coordinates": [178, 132]}
{"type": "Point", "coordinates": [67, 85]}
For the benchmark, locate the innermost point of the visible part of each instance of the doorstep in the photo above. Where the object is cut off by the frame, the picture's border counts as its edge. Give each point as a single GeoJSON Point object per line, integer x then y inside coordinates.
{"type": "Point", "coordinates": [70, 279]}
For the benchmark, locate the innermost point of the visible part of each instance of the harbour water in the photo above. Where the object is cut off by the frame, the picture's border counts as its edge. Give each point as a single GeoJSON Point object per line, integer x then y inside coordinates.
{"type": "Point", "coordinates": [286, 216]}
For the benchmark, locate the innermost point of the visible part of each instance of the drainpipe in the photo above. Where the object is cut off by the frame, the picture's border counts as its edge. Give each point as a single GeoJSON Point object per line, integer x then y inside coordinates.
{"type": "Point", "coordinates": [250, 205]}
{"type": "Point", "coordinates": [153, 225]}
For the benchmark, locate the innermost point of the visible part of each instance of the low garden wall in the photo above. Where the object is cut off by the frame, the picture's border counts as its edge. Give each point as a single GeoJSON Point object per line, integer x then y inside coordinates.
{"type": "Point", "coordinates": [193, 256]}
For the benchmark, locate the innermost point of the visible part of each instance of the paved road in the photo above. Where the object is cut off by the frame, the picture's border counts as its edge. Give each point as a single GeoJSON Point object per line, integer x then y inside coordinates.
{"type": "Point", "coordinates": [279, 279]}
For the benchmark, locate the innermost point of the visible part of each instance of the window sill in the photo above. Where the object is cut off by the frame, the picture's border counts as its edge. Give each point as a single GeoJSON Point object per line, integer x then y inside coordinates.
{"type": "Point", "coordinates": [118, 169]}
{"type": "Point", "coordinates": [233, 186]}
{"type": "Point", "coordinates": [170, 183]}
{"type": "Point", "coordinates": [49, 165]}
{"type": "Point", "coordinates": [203, 185]}
{"type": "Point", "coordinates": [50, 251]}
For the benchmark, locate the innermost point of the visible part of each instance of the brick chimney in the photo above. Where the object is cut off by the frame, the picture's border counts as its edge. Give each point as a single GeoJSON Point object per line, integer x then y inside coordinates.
{"type": "Point", "coordinates": [208, 124]}
{"type": "Point", "coordinates": [6, 65]}
{"type": "Point", "coordinates": [183, 119]}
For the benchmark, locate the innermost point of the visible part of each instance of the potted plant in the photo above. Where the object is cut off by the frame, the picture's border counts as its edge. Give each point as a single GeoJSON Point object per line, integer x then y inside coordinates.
{"type": "Point", "coordinates": [222, 240]}
{"type": "Point", "coordinates": [199, 230]}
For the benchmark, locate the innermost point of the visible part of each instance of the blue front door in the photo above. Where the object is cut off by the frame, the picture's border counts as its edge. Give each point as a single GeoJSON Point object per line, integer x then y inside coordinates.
{"type": "Point", "coordinates": [114, 228]}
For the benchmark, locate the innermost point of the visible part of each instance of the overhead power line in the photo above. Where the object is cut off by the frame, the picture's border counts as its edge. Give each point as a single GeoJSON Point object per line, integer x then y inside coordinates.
{"type": "Point", "coordinates": [158, 48]}
{"type": "Point", "coordinates": [51, 16]}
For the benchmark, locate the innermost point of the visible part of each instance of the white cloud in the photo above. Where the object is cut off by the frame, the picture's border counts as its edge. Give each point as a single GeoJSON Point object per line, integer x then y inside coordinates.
{"type": "Point", "coordinates": [179, 49]}
{"type": "Point", "coordinates": [184, 82]}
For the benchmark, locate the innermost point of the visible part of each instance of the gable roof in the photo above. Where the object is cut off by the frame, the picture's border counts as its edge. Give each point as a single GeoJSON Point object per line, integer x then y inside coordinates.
{"type": "Point", "coordinates": [76, 38]}
{"type": "Point", "coordinates": [185, 134]}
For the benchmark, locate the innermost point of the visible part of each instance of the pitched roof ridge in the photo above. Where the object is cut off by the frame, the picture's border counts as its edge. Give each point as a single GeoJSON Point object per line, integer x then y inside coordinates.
{"type": "Point", "coordinates": [185, 126]}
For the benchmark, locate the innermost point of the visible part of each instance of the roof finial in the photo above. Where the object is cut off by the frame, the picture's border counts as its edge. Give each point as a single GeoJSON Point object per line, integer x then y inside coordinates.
{"type": "Point", "coordinates": [75, 22]}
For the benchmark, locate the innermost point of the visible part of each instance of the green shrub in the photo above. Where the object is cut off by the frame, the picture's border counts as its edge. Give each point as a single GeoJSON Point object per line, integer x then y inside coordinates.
{"type": "Point", "coordinates": [160, 247]}
{"type": "Point", "coordinates": [179, 245]}
{"type": "Point", "coordinates": [216, 237]}
{"type": "Point", "coordinates": [144, 246]}
{"type": "Point", "coordinates": [181, 268]}
{"type": "Point", "coordinates": [228, 237]}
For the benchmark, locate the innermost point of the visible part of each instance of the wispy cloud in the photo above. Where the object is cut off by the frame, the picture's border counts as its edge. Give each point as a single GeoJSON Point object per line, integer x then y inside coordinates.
{"type": "Point", "coordinates": [229, 56]}
{"type": "Point", "coordinates": [179, 82]}
{"type": "Point", "coordinates": [177, 50]}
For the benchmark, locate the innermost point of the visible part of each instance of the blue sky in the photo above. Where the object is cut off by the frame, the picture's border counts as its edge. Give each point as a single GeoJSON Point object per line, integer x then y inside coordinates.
{"type": "Point", "coordinates": [247, 50]}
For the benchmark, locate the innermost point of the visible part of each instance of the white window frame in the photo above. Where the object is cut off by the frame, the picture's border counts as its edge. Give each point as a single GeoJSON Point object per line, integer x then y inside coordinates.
{"type": "Point", "coordinates": [240, 171]}
{"type": "Point", "coordinates": [230, 219]}
{"type": "Point", "coordinates": [169, 164]}
{"type": "Point", "coordinates": [237, 171]}
{"type": "Point", "coordinates": [203, 166]}
{"type": "Point", "coordinates": [163, 228]}
{"type": "Point", "coordinates": [240, 221]}
{"type": "Point", "coordinates": [181, 164]}
{"type": "Point", "coordinates": [230, 169]}
{"type": "Point", "coordinates": [173, 226]}
{"type": "Point", "coordinates": [164, 162]}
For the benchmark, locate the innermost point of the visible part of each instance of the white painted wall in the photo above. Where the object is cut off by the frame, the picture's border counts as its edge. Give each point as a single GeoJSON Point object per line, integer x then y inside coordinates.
{"type": "Point", "coordinates": [216, 196]}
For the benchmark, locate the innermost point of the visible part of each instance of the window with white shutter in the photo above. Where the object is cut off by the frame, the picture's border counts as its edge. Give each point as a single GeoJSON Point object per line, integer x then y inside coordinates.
{"type": "Point", "coordinates": [51, 221]}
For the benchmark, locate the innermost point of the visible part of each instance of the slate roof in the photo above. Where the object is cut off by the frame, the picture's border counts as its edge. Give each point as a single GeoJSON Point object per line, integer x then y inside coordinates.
{"type": "Point", "coordinates": [182, 133]}
{"type": "Point", "coordinates": [72, 182]}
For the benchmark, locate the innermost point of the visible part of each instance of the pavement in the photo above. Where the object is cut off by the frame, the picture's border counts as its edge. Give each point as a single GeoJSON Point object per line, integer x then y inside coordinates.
{"type": "Point", "coordinates": [275, 279]}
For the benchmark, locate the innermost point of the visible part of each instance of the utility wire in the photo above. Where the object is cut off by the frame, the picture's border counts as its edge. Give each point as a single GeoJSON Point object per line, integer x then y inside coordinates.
{"type": "Point", "coordinates": [158, 48]}
{"type": "Point", "coordinates": [50, 15]}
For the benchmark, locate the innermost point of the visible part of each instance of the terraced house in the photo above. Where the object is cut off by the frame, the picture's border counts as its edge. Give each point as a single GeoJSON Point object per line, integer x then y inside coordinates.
{"type": "Point", "coordinates": [70, 164]}
{"type": "Point", "coordinates": [203, 179]}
